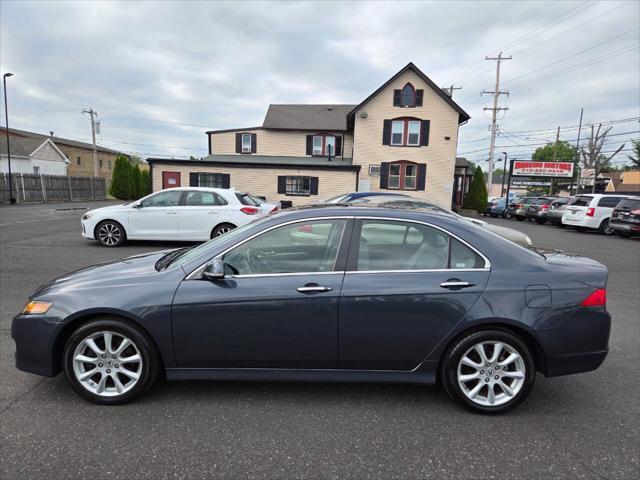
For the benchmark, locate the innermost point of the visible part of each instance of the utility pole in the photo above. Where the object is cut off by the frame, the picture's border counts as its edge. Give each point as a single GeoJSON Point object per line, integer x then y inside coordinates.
{"type": "Point", "coordinates": [495, 109]}
{"type": "Point", "coordinates": [577, 163]}
{"type": "Point", "coordinates": [451, 89]}
{"type": "Point", "coordinates": [12, 199]}
{"type": "Point", "coordinates": [93, 115]}
{"type": "Point", "coordinates": [555, 159]}
{"type": "Point", "coordinates": [504, 173]}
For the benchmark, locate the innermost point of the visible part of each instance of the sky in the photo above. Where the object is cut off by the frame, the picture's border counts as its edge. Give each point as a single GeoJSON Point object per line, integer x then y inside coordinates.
{"type": "Point", "coordinates": [161, 73]}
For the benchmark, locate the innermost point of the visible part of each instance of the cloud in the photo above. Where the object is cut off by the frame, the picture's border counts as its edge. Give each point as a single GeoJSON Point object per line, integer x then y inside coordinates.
{"type": "Point", "coordinates": [161, 73]}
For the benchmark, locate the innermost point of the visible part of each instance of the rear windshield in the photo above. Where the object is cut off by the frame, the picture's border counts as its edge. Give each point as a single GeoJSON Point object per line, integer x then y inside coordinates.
{"type": "Point", "coordinates": [629, 204]}
{"type": "Point", "coordinates": [560, 201]}
{"type": "Point", "coordinates": [543, 201]}
{"type": "Point", "coordinates": [247, 199]}
{"type": "Point", "coordinates": [581, 201]}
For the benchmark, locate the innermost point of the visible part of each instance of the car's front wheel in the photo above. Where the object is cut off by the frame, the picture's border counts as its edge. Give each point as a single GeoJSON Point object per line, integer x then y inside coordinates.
{"type": "Point", "coordinates": [110, 361]}
{"type": "Point", "coordinates": [489, 371]}
{"type": "Point", "coordinates": [110, 234]}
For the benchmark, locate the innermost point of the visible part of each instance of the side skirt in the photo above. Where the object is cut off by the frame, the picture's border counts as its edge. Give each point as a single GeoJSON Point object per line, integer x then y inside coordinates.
{"type": "Point", "coordinates": [425, 374]}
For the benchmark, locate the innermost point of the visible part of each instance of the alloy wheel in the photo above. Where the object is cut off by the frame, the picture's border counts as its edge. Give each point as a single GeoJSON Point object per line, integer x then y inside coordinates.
{"type": "Point", "coordinates": [222, 231]}
{"type": "Point", "coordinates": [491, 373]}
{"type": "Point", "coordinates": [107, 363]}
{"type": "Point", "coordinates": [109, 234]}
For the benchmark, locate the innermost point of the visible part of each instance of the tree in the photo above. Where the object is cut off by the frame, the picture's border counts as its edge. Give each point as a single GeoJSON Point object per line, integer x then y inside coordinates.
{"type": "Point", "coordinates": [592, 155]}
{"type": "Point", "coordinates": [635, 158]}
{"type": "Point", "coordinates": [476, 197]}
{"type": "Point", "coordinates": [136, 182]}
{"type": "Point", "coordinates": [145, 182]}
{"type": "Point", "coordinates": [121, 184]}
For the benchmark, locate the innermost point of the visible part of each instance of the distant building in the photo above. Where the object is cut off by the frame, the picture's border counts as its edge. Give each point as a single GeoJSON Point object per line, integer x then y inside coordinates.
{"type": "Point", "coordinates": [32, 155]}
{"type": "Point", "coordinates": [79, 154]}
{"type": "Point", "coordinates": [627, 181]}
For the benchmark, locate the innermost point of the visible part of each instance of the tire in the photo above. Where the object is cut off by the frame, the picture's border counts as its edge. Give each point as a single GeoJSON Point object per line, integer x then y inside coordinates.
{"type": "Point", "coordinates": [522, 366]}
{"type": "Point", "coordinates": [605, 228]}
{"type": "Point", "coordinates": [102, 387]}
{"type": "Point", "coordinates": [540, 221]}
{"type": "Point", "coordinates": [110, 234]}
{"type": "Point", "coordinates": [508, 216]}
{"type": "Point", "coordinates": [222, 229]}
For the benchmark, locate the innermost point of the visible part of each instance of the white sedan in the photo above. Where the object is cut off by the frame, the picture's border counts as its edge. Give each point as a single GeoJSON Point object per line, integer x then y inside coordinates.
{"type": "Point", "coordinates": [186, 213]}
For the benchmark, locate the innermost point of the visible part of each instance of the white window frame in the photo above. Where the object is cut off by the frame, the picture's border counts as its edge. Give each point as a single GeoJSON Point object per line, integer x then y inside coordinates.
{"type": "Point", "coordinates": [246, 148]}
{"type": "Point", "coordinates": [394, 123]}
{"type": "Point", "coordinates": [330, 140]}
{"type": "Point", "coordinates": [317, 149]}
{"type": "Point", "coordinates": [409, 133]}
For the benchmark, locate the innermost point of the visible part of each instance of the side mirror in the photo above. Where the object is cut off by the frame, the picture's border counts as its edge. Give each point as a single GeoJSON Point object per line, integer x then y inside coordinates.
{"type": "Point", "coordinates": [137, 205]}
{"type": "Point", "coordinates": [214, 270]}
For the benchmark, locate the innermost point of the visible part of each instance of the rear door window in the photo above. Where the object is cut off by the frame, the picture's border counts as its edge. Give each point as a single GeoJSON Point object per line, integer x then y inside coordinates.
{"type": "Point", "coordinates": [610, 202]}
{"type": "Point", "coordinates": [203, 199]}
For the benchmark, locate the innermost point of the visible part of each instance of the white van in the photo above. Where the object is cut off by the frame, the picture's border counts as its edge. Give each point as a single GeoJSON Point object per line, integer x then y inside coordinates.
{"type": "Point", "coordinates": [591, 211]}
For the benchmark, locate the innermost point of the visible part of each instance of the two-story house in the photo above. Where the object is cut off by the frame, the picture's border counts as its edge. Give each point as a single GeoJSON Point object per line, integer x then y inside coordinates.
{"type": "Point", "coordinates": [403, 137]}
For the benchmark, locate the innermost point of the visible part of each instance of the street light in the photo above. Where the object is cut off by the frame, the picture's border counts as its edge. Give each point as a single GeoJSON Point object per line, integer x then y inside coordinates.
{"type": "Point", "coordinates": [504, 173]}
{"type": "Point", "coordinates": [12, 200]}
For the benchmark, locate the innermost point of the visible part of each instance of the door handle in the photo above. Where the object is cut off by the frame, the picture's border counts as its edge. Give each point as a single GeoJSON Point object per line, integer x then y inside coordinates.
{"type": "Point", "coordinates": [456, 284]}
{"type": "Point", "coordinates": [313, 289]}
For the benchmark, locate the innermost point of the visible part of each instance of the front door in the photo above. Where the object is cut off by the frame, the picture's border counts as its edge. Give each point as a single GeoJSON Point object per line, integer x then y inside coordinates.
{"type": "Point", "coordinates": [170, 179]}
{"type": "Point", "coordinates": [277, 307]}
{"type": "Point", "coordinates": [156, 217]}
{"type": "Point", "coordinates": [407, 286]}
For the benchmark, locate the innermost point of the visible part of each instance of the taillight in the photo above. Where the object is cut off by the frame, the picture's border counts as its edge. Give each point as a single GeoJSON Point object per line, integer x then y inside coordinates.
{"type": "Point", "coordinates": [518, 205]}
{"type": "Point", "coordinates": [590, 212]}
{"type": "Point", "coordinates": [596, 299]}
{"type": "Point", "coordinates": [250, 210]}
{"type": "Point", "coordinates": [544, 207]}
{"type": "Point", "coordinates": [635, 212]}
{"type": "Point", "coordinates": [274, 209]}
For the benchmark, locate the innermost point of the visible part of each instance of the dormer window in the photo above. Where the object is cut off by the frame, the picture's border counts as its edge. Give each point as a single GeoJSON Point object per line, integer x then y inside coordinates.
{"type": "Point", "coordinates": [246, 143]}
{"type": "Point", "coordinates": [324, 145]}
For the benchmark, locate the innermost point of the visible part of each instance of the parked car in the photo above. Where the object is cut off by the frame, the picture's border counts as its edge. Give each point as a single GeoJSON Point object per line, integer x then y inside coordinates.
{"type": "Point", "coordinates": [417, 204]}
{"type": "Point", "coordinates": [183, 213]}
{"type": "Point", "coordinates": [495, 207]}
{"type": "Point", "coordinates": [557, 209]}
{"type": "Point", "coordinates": [518, 207]}
{"type": "Point", "coordinates": [592, 212]}
{"type": "Point", "coordinates": [539, 210]}
{"type": "Point", "coordinates": [625, 219]}
{"type": "Point", "coordinates": [388, 295]}
{"type": "Point", "coordinates": [349, 197]}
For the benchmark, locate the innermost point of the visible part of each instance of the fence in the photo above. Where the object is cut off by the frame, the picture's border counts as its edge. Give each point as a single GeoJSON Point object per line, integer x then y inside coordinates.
{"type": "Point", "coordinates": [51, 188]}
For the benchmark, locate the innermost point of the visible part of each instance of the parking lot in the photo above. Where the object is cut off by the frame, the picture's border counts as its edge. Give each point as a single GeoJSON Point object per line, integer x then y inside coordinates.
{"type": "Point", "coordinates": [583, 426]}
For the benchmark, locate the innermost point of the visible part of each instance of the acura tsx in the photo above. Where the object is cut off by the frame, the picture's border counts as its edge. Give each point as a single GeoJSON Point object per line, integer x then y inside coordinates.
{"type": "Point", "coordinates": [326, 293]}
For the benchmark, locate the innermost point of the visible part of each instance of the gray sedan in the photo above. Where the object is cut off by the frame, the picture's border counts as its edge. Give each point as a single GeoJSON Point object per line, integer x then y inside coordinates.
{"type": "Point", "coordinates": [334, 293]}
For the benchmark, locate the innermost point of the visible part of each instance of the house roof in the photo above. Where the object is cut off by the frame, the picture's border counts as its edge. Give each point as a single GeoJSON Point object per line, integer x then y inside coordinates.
{"type": "Point", "coordinates": [20, 146]}
{"type": "Point", "coordinates": [307, 117]}
{"type": "Point", "coordinates": [263, 161]}
{"type": "Point", "coordinates": [462, 162]}
{"type": "Point", "coordinates": [462, 115]}
{"type": "Point", "coordinates": [56, 140]}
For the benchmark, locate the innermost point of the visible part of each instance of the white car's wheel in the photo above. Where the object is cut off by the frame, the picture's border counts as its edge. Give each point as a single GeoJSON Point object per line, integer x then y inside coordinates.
{"type": "Point", "coordinates": [110, 234]}
{"type": "Point", "coordinates": [222, 229]}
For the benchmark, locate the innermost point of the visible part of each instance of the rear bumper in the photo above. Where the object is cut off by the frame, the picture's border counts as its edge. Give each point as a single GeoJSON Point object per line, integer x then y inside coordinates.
{"type": "Point", "coordinates": [625, 227]}
{"type": "Point", "coordinates": [578, 363]}
{"type": "Point", "coordinates": [584, 222]}
{"type": "Point", "coordinates": [539, 215]}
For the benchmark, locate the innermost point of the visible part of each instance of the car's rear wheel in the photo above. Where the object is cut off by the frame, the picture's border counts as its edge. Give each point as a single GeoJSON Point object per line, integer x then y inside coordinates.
{"type": "Point", "coordinates": [489, 371]}
{"type": "Point", "coordinates": [222, 229]}
{"type": "Point", "coordinates": [110, 234]}
{"type": "Point", "coordinates": [605, 228]}
{"type": "Point", "coordinates": [508, 216]}
{"type": "Point", "coordinates": [110, 361]}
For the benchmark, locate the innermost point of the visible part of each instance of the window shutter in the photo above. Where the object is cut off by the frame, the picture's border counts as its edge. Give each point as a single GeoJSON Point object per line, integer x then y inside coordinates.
{"type": "Point", "coordinates": [238, 143]}
{"type": "Point", "coordinates": [396, 98]}
{"type": "Point", "coordinates": [386, 132]}
{"type": "Point", "coordinates": [282, 184]}
{"type": "Point", "coordinates": [419, 95]}
{"type": "Point", "coordinates": [313, 188]}
{"type": "Point", "coordinates": [338, 147]}
{"type": "Point", "coordinates": [254, 143]}
{"type": "Point", "coordinates": [422, 176]}
{"type": "Point", "coordinates": [193, 179]}
{"type": "Point", "coordinates": [226, 180]}
{"type": "Point", "coordinates": [309, 144]}
{"type": "Point", "coordinates": [384, 175]}
{"type": "Point", "coordinates": [424, 132]}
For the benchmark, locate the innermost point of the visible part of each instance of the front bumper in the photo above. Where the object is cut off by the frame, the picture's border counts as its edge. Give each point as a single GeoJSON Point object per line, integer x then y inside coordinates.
{"type": "Point", "coordinates": [87, 230]}
{"type": "Point", "coordinates": [35, 336]}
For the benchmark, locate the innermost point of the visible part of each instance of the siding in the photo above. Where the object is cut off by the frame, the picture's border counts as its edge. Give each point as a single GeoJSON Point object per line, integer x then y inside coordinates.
{"type": "Point", "coordinates": [439, 155]}
{"type": "Point", "coordinates": [264, 181]}
{"type": "Point", "coordinates": [47, 152]}
{"type": "Point", "coordinates": [85, 169]}
{"type": "Point", "coordinates": [286, 143]}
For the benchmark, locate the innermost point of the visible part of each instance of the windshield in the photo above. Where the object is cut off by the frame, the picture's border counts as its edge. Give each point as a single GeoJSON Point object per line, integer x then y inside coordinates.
{"type": "Point", "coordinates": [185, 255]}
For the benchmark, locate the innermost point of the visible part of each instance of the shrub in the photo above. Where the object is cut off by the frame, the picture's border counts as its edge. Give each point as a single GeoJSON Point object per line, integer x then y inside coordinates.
{"type": "Point", "coordinates": [476, 197]}
{"type": "Point", "coordinates": [121, 184]}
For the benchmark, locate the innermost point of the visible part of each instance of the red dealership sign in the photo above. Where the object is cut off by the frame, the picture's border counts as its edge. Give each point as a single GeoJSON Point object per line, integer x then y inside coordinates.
{"type": "Point", "coordinates": [542, 169]}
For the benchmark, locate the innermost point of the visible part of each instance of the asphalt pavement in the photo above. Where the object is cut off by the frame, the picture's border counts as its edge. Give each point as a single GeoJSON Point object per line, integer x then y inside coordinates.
{"type": "Point", "coordinates": [582, 426]}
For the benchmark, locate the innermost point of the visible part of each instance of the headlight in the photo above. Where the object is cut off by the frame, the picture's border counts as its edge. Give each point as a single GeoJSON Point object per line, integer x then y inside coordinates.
{"type": "Point", "coordinates": [87, 216]}
{"type": "Point", "coordinates": [35, 307]}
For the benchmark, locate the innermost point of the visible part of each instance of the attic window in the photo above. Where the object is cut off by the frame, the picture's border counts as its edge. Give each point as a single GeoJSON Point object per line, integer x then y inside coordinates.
{"type": "Point", "coordinates": [408, 97]}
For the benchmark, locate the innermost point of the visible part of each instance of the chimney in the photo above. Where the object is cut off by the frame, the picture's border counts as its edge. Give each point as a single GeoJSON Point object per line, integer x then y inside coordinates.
{"type": "Point", "coordinates": [51, 133]}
